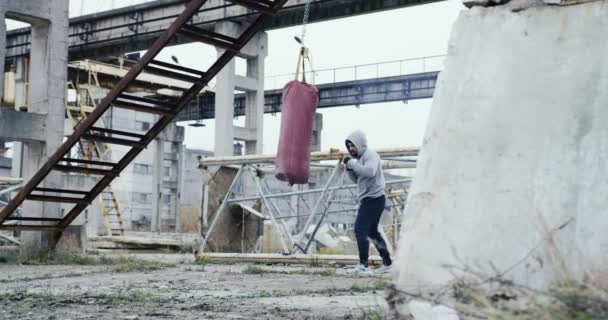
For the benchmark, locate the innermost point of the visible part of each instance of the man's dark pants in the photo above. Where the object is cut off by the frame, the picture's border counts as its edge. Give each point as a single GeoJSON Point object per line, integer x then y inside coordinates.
{"type": "Point", "coordinates": [366, 226]}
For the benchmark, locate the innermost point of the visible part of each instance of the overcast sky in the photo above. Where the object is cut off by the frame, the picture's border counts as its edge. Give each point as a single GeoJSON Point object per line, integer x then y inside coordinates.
{"type": "Point", "coordinates": [392, 35]}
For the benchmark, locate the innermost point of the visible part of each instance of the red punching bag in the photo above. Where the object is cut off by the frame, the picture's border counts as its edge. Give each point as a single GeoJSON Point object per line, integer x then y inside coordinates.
{"type": "Point", "coordinates": [299, 104]}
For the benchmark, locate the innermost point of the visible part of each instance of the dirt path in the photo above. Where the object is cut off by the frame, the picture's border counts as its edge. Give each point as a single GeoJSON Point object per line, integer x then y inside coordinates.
{"type": "Point", "coordinates": [188, 291]}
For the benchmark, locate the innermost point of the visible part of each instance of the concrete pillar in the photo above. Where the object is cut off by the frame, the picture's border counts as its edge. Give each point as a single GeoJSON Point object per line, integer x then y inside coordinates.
{"type": "Point", "coordinates": [17, 160]}
{"type": "Point", "coordinates": [254, 112]}
{"type": "Point", "coordinates": [172, 136]}
{"type": "Point", "coordinates": [253, 84]}
{"type": "Point", "coordinates": [178, 187]}
{"type": "Point", "coordinates": [48, 76]}
{"type": "Point", "coordinates": [2, 51]}
{"type": "Point", "coordinates": [316, 132]}
{"type": "Point", "coordinates": [20, 82]}
{"type": "Point", "coordinates": [224, 98]}
{"type": "Point", "coordinates": [156, 190]}
{"type": "Point", "coordinates": [20, 101]}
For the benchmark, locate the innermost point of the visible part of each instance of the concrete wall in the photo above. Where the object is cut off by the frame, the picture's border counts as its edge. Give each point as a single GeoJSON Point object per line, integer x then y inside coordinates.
{"type": "Point", "coordinates": [513, 165]}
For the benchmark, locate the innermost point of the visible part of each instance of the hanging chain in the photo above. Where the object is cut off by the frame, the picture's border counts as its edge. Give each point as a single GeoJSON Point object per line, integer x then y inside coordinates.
{"type": "Point", "coordinates": [305, 20]}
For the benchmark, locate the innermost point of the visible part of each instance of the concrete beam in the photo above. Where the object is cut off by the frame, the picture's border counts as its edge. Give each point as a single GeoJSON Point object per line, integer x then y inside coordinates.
{"type": "Point", "coordinates": [245, 83]}
{"type": "Point", "coordinates": [137, 27]}
{"type": "Point", "coordinates": [26, 11]}
{"type": "Point", "coordinates": [22, 126]}
{"type": "Point", "coordinates": [244, 134]}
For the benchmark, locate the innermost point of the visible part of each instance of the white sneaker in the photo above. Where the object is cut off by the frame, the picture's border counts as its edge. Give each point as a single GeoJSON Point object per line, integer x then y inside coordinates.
{"type": "Point", "coordinates": [384, 269]}
{"type": "Point", "coordinates": [359, 268]}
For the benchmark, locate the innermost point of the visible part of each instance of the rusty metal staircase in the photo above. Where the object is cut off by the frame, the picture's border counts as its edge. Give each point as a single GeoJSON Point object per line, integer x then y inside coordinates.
{"type": "Point", "coordinates": [118, 98]}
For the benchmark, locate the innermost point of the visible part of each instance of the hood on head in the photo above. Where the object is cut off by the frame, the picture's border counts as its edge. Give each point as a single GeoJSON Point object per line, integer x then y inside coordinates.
{"type": "Point", "coordinates": [359, 140]}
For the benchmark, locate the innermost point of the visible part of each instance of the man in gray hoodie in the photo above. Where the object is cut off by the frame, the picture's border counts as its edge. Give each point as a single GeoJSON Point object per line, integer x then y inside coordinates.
{"type": "Point", "coordinates": [365, 169]}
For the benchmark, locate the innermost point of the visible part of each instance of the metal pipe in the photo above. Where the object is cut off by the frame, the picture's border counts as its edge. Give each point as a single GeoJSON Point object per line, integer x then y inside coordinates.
{"type": "Point", "coordinates": [314, 209]}
{"type": "Point", "coordinates": [323, 215]}
{"type": "Point", "coordinates": [295, 193]}
{"type": "Point", "coordinates": [343, 211]}
{"type": "Point", "coordinates": [276, 209]}
{"type": "Point", "coordinates": [393, 163]}
{"type": "Point", "coordinates": [314, 156]}
{"type": "Point", "coordinates": [10, 189]}
{"type": "Point", "coordinates": [274, 222]}
{"type": "Point", "coordinates": [10, 180]}
{"type": "Point", "coordinates": [10, 239]}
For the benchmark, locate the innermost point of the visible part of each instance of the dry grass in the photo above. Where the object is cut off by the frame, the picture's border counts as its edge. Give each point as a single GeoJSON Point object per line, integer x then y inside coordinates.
{"type": "Point", "coordinates": [326, 272]}
{"type": "Point", "coordinates": [119, 264]}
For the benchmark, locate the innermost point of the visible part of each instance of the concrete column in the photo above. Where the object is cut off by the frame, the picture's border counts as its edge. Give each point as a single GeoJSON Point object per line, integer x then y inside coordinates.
{"type": "Point", "coordinates": [20, 94]}
{"type": "Point", "coordinates": [17, 160]}
{"type": "Point", "coordinates": [156, 191]}
{"type": "Point", "coordinates": [253, 84]}
{"type": "Point", "coordinates": [48, 76]}
{"type": "Point", "coordinates": [224, 98]}
{"type": "Point", "coordinates": [254, 118]}
{"type": "Point", "coordinates": [172, 136]}
{"type": "Point", "coordinates": [2, 51]}
{"type": "Point", "coordinates": [20, 81]}
{"type": "Point", "coordinates": [178, 175]}
{"type": "Point", "coordinates": [316, 132]}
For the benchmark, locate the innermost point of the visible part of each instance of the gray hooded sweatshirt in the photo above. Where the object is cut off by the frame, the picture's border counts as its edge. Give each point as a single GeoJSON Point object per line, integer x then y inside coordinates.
{"type": "Point", "coordinates": [366, 169]}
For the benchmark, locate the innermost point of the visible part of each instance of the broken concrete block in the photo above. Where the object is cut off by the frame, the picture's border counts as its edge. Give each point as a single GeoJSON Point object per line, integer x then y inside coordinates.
{"type": "Point", "coordinates": [483, 3]}
{"type": "Point", "coordinates": [505, 204]}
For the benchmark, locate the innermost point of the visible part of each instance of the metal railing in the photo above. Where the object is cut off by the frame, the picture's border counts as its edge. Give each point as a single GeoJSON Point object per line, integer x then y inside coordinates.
{"type": "Point", "coordinates": [362, 71]}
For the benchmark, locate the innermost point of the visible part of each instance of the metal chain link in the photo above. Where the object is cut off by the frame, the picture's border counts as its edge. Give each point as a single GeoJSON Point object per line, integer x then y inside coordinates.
{"type": "Point", "coordinates": [305, 20]}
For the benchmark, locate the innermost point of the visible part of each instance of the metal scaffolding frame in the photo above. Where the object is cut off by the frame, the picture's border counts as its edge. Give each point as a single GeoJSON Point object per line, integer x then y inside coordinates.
{"type": "Point", "coordinates": [291, 242]}
{"type": "Point", "coordinates": [7, 186]}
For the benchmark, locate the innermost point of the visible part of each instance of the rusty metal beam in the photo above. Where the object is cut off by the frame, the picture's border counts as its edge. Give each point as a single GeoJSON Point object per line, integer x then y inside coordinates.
{"type": "Point", "coordinates": [33, 219]}
{"type": "Point", "coordinates": [84, 170]}
{"type": "Point", "coordinates": [45, 198]}
{"type": "Point", "coordinates": [89, 162]}
{"type": "Point", "coordinates": [25, 227]}
{"type": "Point", "coordinates": [60, 191]}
